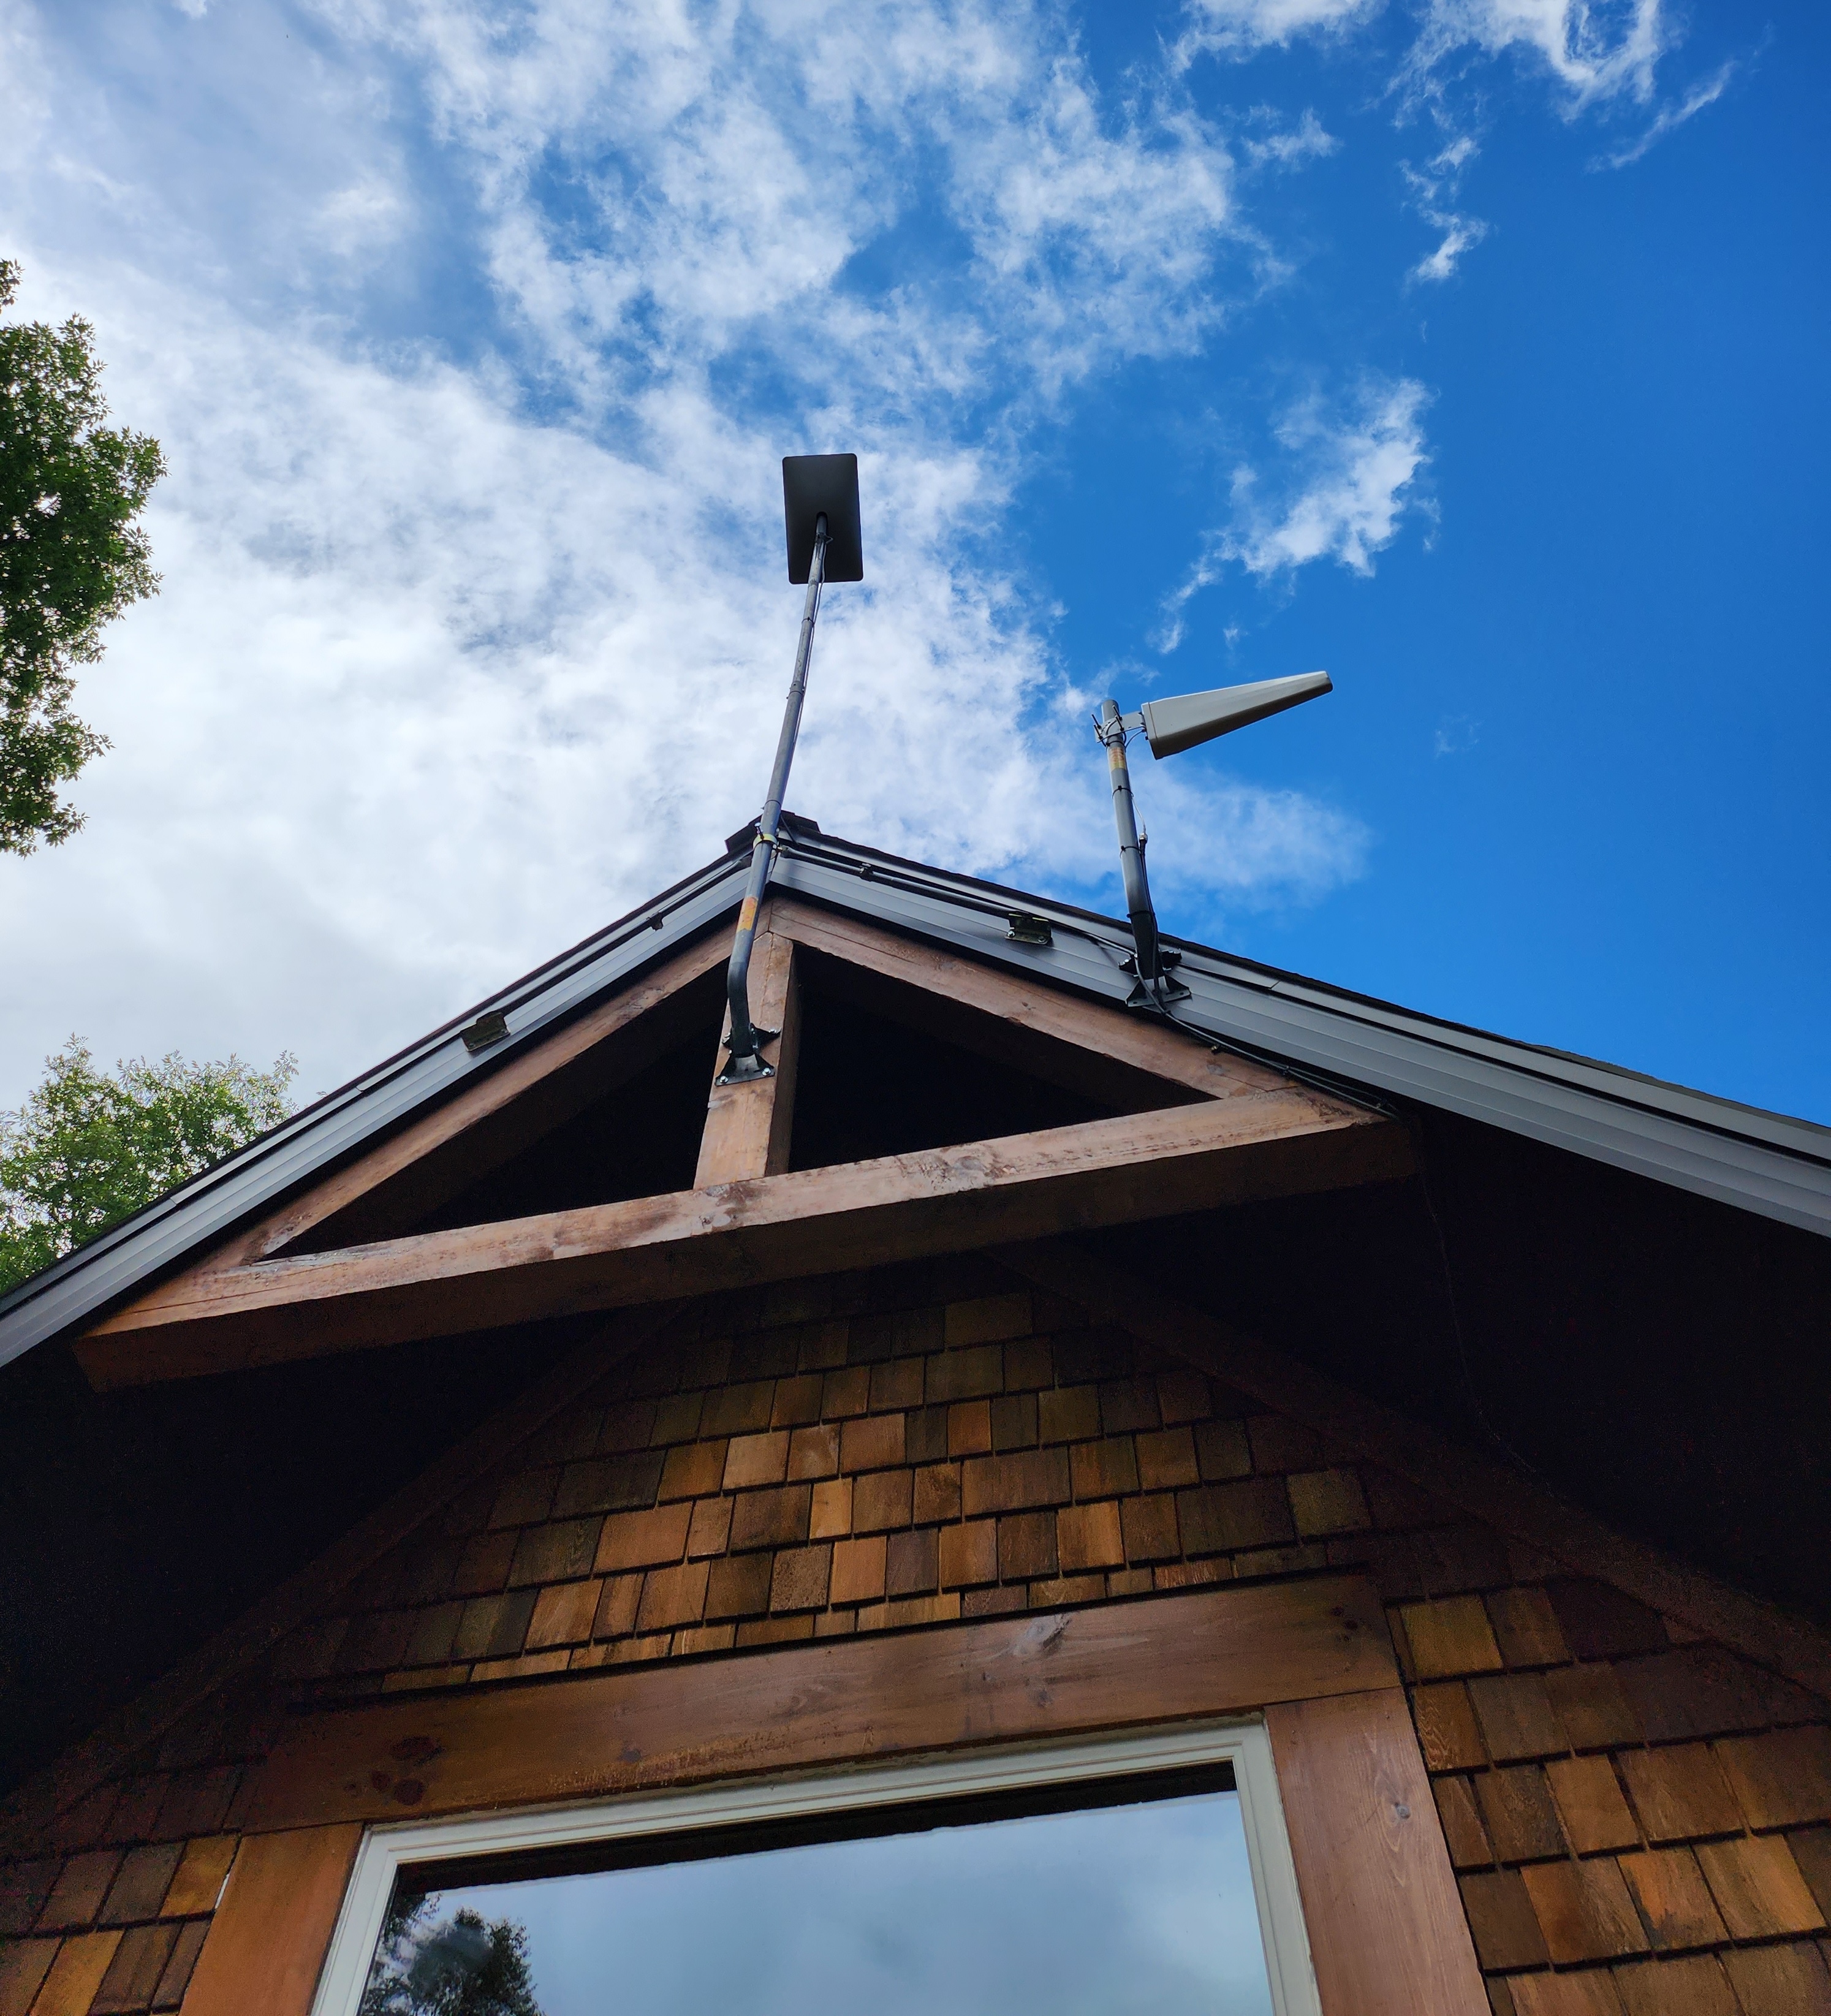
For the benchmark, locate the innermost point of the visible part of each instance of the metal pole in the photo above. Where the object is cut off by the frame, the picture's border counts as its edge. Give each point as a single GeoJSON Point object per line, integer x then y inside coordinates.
{"type": "Point", "coordinates": [745, 1041]}
{"type": "Point", "coordinates": [1155, 988]}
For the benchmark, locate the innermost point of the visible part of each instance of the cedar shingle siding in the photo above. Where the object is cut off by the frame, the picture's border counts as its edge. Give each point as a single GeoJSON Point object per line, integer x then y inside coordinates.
{"type": "Point", "coordinates": [1640, 1823]}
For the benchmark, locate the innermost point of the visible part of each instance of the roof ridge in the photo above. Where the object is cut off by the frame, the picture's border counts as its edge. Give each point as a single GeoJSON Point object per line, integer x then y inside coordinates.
{"type": "Point", "coordinates": [1776, 1164]}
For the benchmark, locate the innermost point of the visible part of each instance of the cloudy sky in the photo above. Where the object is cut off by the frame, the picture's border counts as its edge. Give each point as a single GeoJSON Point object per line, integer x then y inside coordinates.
{"type": "Point", "coordinates": [1472, 349]}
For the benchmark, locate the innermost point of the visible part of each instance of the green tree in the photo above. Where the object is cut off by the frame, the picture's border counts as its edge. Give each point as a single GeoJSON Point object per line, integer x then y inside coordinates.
{"type": "Point", "coordinates": [458, 1966]}
{"type": "Point", "coordinates": [89, 1147]}
{"type": "Point", "coordinates": [71, 558]}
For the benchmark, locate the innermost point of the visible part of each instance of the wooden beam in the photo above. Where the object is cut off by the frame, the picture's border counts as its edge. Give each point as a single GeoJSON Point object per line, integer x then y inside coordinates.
{"type": "Point", "coordinates": [1219, 1652]}
{"type": "Point", "coordinates": [748, 1125]}
{"type": "Point", "coordinates": [1116, 1171]}
{"type": "Point", "coordinates": [495, 1117]}
{"type": "Point", "coordinates": [1384, 1921]}
{"type": "Point", "coordinates": [1388, 1935]}
{"type": "Point", "coordinates": [1131, 1062]}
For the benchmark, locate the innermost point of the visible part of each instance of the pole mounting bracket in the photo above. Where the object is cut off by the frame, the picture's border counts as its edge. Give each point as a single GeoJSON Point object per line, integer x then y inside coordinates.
{"type": "Point", "coordinates": [744, 1070]}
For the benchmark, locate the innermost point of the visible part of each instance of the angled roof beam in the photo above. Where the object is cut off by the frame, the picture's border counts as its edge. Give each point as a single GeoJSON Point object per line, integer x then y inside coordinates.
{"type": "Point", "coordinates": [1275, 1144]}
{"type": "Point", "coordinates": [1133, 1063]}
{"type": "Point", "coordinates": [1516, 1502]}
{"type": "Point", "coordinates": [490, 1121]}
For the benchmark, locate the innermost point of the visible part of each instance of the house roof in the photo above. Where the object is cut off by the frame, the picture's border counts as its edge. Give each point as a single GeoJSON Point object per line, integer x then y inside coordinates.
{"type": "Point", "coordinates": [1612, 1283]}
{"type": "Point", "coordinates": [1757, 1161]}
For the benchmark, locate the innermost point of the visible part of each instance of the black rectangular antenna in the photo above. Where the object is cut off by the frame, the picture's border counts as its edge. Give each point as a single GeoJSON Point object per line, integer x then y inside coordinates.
{"type": "Point", "coordinates": [823, 486]}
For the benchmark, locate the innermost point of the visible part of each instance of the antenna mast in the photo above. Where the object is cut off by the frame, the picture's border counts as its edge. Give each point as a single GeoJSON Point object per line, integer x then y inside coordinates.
{"type": "Point", "coordinates": [820, 506]}
{"type": "Point", "coordinates": [1171, 726]}
{"type": "Point", "coordinates": [1154, 988]}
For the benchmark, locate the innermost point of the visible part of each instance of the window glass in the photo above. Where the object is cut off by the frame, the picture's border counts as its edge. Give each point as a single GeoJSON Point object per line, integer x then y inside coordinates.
{"type": "Point", "coordinates": [1138, 1904]}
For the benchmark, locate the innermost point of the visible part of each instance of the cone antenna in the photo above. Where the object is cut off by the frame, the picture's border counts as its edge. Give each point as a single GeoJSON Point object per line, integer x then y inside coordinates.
{"type": "Point", "coordinates": [1169, 726]}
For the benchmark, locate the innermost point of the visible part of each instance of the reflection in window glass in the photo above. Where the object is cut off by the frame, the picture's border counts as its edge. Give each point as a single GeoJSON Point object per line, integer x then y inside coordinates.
{"type": "Point", "coordinates": [1119, 1910]}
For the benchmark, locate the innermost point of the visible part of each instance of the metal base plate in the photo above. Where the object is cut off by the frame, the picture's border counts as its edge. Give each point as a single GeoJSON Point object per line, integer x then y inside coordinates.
{"type": "Point", "coordinates": [1168, 990]}
{"type": "Point", "coordinates": [741, 1070]}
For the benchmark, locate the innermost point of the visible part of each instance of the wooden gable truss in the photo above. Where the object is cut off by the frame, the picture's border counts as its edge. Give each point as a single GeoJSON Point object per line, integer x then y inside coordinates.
{"type": "Point", "coordinates": [1192, 1128]}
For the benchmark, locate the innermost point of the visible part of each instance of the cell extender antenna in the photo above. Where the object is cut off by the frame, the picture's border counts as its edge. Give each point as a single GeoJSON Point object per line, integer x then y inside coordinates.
{"type": "Point", "coordinates": [820, 507]}
{"type": "Point", "coordinates": [1171, 726]}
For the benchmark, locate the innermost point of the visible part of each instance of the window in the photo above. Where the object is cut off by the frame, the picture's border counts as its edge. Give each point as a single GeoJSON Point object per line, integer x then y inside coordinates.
{"type": "Point", "coordinates": [1149, 1873]}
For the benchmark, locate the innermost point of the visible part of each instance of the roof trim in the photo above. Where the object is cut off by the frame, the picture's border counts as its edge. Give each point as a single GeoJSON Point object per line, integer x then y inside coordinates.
{"type": "Point", "coordinates": [210, 1206]}
{"type": "Point", "coordinates": [1768, 1162]}
{"type": "Point", "coordinates": [1777, 1167]}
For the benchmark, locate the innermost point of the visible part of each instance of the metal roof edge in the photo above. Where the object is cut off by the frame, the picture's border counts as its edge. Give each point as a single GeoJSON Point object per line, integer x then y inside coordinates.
{"type": "Point", "coordinates": [1614, 1079]}
{"type": "Point", "coordinates": [209, 1204]}
{"type": "Point", "coordinates": [1772, 1164]}
{"type": "Point", "coordinates": [1617, 1082]}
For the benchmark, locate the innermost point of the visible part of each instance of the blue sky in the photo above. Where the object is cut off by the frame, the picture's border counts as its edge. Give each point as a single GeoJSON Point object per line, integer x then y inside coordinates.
{"type": "Point", "coordinates": [1472, 349]}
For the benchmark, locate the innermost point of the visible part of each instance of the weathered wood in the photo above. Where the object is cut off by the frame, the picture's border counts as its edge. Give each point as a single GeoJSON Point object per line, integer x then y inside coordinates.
{"type": "Point", "coordinates": [1213, 1653]}
{"type": "Point", "coordinates": [1126, 1061]}
{"type": "Point", "coordinates": [1132, 1064]}
{"type": "Point", "coordinates": [1140, 1166]}
{"type": "Point", "coordinates": [28, 1811]}
{"type": "Point", "coordinates": [267, 1943]}
{"type": "Point", "coordinates": [494, 1117]}
{"type": "Point", "coordinates": [1515, 1505]}
{"type": "Point", "coordinates": [1387, 1933]}
{"type": "Point", "coordinates": [748, 1125]}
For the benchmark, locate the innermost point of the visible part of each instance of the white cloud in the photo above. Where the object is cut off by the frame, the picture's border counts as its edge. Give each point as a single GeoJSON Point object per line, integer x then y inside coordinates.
{"type": "Point", "coordinates": [1349, 504]}
{"type": "Point", "coordinates": [1434, 190]}
{"type": "Point", "coordinates": [466, 644]}
{"type": "Point", "coordinates": [1456, 734]}
{"type": "Point", "coordinates": [1598, 53]}
{"type": "Point", "coordinates": [1248, 845]}
{"type": "Point", "coordinates": [1671, 117]}
{"type": "Point", "coordinates": [1596, 49]}
{"type": "Point", "coordinates": [759, 152]}
{"type": "Point", "coordinates": [1241, 26]}
{"type": "Point", "coordinates": [364, 218]}
{"type": "Point", "coordinates": [1307, 141]}
{"type": "Point", "coordinates": [1603, 54]}
{"type": "Point", "coordinates": [1346, 479]}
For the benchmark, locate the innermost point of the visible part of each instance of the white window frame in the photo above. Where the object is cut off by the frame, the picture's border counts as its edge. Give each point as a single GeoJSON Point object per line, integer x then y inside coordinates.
{"type": "Point", "coordinates": [849, 1788]}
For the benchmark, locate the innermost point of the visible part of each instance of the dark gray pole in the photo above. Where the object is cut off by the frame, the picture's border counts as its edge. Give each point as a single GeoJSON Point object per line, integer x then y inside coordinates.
{"type": "Point", "coordinates": [745, 1041]}
{"type": "Point", "coordinates": [1153, 988]}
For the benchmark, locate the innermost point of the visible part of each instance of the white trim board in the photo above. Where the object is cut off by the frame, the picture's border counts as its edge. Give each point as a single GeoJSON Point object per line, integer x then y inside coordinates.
{"type": "Point", "coordinates": [1243, 1745]}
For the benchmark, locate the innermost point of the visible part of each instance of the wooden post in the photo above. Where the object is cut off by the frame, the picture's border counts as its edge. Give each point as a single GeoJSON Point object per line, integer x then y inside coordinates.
{"type": "Point", "coordinates": [266, 1942]}
{"type": "Point", "coordinates": [1388, 1932]}
{"type": "Point", "coordinates": [748, 1125]}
